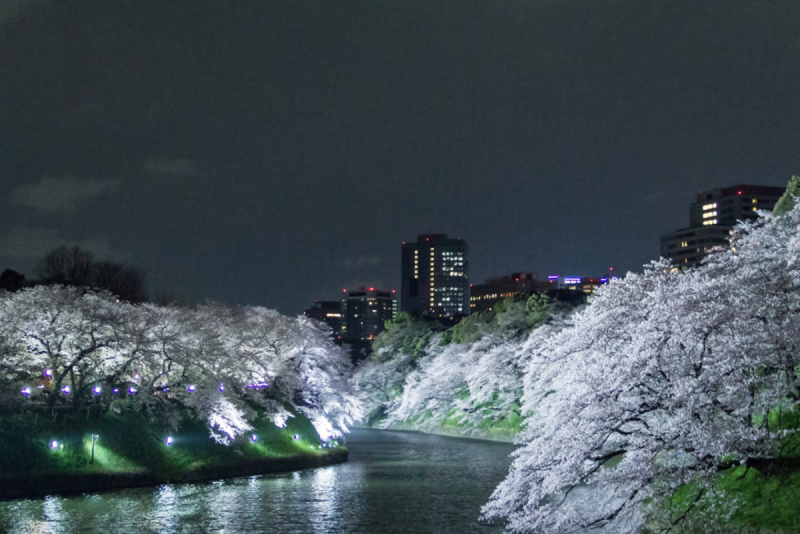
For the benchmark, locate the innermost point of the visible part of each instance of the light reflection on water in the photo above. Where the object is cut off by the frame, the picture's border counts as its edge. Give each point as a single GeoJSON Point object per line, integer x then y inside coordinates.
{"type": "Point", "coordinates": [394, 482]}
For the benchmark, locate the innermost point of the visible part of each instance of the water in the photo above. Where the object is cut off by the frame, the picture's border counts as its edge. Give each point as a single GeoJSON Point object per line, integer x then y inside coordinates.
{"type": "Point", "coordinates": [394, 482]}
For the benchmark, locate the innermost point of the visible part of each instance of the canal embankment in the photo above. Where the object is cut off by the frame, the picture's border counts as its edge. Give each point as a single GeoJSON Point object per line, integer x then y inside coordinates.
{"type": "Point", "coordinates": [68, 452]}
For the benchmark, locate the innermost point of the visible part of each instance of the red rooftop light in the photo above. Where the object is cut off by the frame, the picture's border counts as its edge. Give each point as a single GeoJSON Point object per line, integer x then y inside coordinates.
{"type": "Point", "coordinates": [740, 192]}
{"type": "Point", "coordinates": [372, 289]}
{"type": "Point", "coordinates": [344, 290]}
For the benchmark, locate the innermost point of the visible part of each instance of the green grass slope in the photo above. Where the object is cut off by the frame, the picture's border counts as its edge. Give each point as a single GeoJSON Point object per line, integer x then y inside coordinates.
{"type": "Point", "coordinates": [130, 449]}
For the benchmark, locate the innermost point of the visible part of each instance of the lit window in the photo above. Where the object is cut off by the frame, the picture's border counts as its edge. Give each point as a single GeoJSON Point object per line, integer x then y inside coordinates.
{"type": "Point", "coordinates": [755, 201]}
{"type": "Point", "coordinates": [709, 206]}
{"type": "Point", "coordinates": [709, 214]}
{"type": "Point", "coordinates": [684, 244]}
{"type": "Point", "coordinates": [755, 208]}
{"type": "Point", "coordinates": [711, 222]}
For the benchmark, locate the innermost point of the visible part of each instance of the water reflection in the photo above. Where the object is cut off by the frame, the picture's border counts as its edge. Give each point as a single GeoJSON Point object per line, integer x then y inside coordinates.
{"type": "Point", "coordinates": [394, 482]}
{"type": "Point", "coordinates": [164, 519]}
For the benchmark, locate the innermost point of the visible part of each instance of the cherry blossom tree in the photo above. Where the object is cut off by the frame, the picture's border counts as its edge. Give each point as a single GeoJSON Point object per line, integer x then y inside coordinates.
{"type": "Point", "coordinates": [72, 337]}
{"type": "Point", "coordinates": [470, 376]}
{"type": "Point", "coordinates": [664, 380]}
{"type": "Point", "coordinates": [220, 364]}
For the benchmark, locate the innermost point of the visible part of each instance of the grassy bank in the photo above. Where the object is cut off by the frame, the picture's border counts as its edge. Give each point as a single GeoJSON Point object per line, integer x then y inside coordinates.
{"type": "Point", "coordinates": [763, 503]}
{"type": "Point", "coordinates": [51, 451]}
{"type": "Point", "coordinates": [502, 429]}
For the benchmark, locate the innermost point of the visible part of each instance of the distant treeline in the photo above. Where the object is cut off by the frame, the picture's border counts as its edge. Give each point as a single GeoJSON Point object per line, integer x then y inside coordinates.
{"type": "Point", "coordinates": [77, 267]}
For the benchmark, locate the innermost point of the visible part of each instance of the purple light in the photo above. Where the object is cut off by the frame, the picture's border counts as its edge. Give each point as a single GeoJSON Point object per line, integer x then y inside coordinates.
{"type": "Point", "coordinates": [168, 440]}
{"type": "Point", "coordinates": [115, 390]}
{"type": "Point", "coordinates": [190, 388]}
{"type": "Point", "coordinates": [26, 391]}
{"type": "Point", "coordinates": [54, 444]}
{"type": "Point", "coordinates": [258, 386]}
{"type": "Point", "coordinates": [221, 387]}
{"type": "Point", "coordinates": [65, 390]}
{"type": "Point", "coordinates": [96, 390]}
{"type": "Point", "coordinates": [48, 373]}
{"type": "Point", "coordinates": [254, 438]}
{"type": "Point", "coordinates": [603, 280]}
{"type": "Point", "coordinates": [296, 436]}
{"type": "Point", "coordinates": [132, 390]}
{"type": "Point", "coordinates": [40, 386]}
{"type": "Point", "coordinates": [553, 277]}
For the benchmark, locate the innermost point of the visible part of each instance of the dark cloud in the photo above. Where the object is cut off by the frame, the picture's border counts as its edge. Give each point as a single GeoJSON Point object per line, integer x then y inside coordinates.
{"type": "Point", "coordinates": [11, 10]}
{"type": "Point", "coordinates": [62, 194]}
{"type": "Point", "coordinates": [171, 167]}
{"type": "Point", "coordinates": [34, 243]}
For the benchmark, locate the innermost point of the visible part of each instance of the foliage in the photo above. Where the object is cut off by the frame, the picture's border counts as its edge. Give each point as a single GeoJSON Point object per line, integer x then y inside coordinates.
{"type": "Point", "coordinates": [406, 334]}
{"type": "Point", "coordinates": [11, 280]}
{"type": "Point", "coordinates": [788, 200]}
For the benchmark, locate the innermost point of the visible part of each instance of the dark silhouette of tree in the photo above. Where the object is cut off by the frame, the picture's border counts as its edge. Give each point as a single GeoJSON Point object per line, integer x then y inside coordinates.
{"type": "Point", "coordinates": [66, 266]}
{"type": "Point", "coordinates": [77, 267]}
{"type": "Point", "coordinates": [123, 281]}
{"type": "Point", "coordinates": [11, 280]}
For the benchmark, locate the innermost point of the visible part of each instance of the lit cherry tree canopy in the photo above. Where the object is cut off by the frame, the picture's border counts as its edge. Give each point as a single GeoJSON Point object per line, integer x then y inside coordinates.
{"type": "Point", "coordinates": [664, 380]}
{"type": "Point", "coordinates": [67, 344]}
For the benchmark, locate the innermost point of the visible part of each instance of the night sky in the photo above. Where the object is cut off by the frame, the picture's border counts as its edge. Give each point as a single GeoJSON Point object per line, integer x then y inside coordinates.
{"type": "Point", "coordinates": [274, 152]}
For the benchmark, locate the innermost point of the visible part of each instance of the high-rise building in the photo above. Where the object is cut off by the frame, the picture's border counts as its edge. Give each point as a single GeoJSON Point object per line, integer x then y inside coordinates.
{"type": "Point", "coordinates": [365, 311]}
{"type": "Point", "coordinates": [485, 296]}
{"type": "Point", "coordinates": [435, 277]}
{"type": "Point", "coordinates": [711, 218]}
{"type": "Point", "coordinates": [329, 312]}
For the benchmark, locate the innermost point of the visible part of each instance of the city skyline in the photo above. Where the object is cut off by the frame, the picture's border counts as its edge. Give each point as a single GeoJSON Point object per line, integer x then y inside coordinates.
{"type": "Point", "coordinates": [265, 152]}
